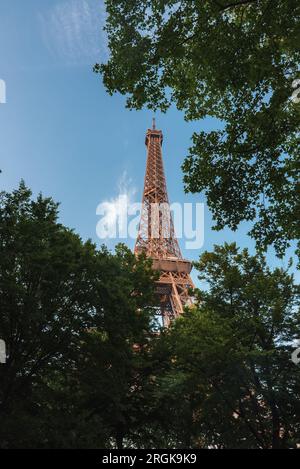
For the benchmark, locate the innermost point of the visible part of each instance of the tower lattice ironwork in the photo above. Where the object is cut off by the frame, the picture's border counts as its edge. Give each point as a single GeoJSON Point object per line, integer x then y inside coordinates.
{"type": "Point", "coordinates": [156, 236]}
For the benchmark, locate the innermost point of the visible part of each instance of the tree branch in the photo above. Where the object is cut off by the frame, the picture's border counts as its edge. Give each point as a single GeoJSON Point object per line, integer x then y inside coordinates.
{"type": "Point", "coordinates": [237, 4]}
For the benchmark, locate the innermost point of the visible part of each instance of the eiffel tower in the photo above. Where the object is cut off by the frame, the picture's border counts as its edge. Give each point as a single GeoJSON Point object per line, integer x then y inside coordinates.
{"type": "Point", "coordinates": [156, 235]}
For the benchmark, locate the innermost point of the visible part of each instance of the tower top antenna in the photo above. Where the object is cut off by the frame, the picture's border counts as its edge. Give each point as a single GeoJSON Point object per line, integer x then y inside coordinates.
{"type": "Point", "coordinates": [153, 124]}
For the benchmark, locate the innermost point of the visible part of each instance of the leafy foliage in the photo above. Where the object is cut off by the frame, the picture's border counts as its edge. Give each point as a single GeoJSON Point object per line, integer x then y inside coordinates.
{"type": "Point", "coordinates": [86, 367]}
{"type": "Point", "coordinates": [233, 353]}
{"type": "Point", "coordinates": [232, 60]}
{"type": "Point", "coordinates": [70, 316]}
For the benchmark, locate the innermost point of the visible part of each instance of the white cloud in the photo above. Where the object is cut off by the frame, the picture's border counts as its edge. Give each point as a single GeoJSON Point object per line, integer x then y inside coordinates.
{"type": "Point", "coordinates": [114, 212]}
{"type": "Point", "coordinates": [73, 31]}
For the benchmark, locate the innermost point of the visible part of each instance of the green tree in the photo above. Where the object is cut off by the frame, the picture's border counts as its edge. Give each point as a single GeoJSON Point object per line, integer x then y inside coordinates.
{"type": "Point", "coordinates": [235, 61]}
{"type": "Point", "coordinates": [113, 367]}
{"type": "Point", "coordinates": [70, 316]}
{"type": "Point", "coordinates": [231, 370]}
{"type": "Point", "coordinates": [42, 289]}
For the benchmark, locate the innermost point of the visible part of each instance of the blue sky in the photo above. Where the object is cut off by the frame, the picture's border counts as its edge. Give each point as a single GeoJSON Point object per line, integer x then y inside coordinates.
{"type": "Point", "coordinates": [65, 136]}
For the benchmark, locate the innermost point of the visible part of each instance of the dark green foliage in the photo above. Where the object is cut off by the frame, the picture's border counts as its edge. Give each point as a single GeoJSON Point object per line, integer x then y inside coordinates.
{"type": "Point", "coordinates": [232, 355]}
{"type": "Point", "coordinates": [70, 316]}
{"type": "Point", "coordinates": [86, 368]}
{"type": "Point", "coordinates": [235, 61]}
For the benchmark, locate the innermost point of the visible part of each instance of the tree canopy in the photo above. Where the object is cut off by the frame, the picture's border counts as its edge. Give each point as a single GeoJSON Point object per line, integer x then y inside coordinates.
{"type": "Point", "coordinates": [231, 380]}
{"type": "Point", "coordinates": [86, 367]}
{"type": "Point", "coordinates": [236, 61]}
{"type": "Point", "coordinates": [67, 310]}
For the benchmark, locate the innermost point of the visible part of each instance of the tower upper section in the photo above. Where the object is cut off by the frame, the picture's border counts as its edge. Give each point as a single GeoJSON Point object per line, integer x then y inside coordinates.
{"type": "Point", "coordinates": [156, 232]}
